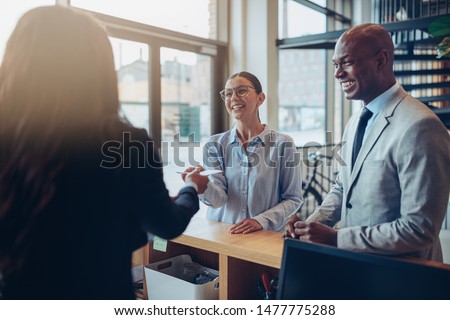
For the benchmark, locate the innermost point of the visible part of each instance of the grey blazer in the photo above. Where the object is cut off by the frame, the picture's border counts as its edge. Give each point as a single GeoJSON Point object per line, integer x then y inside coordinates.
{"type": "Point", "coordinates": [395, 199]}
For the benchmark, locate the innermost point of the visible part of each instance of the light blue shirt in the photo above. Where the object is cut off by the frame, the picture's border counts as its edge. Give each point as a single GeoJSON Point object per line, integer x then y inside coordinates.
{"type": "Point", "coordinates": [263, 182]}
{"type": "Point", "coordinates": [378, 104]}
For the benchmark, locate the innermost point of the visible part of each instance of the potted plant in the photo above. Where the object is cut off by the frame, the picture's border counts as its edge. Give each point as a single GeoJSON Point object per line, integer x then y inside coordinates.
{"type": "Point", "coordinates": [440, 27]}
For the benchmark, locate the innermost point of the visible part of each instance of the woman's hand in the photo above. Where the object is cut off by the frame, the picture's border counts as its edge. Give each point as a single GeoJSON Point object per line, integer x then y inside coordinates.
{"type": "Point", "coordinates": [245, 226]}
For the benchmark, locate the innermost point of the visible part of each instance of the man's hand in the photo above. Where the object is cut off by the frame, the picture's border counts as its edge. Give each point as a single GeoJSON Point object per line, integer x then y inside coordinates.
{"type": "Point", "coordinates": [200, 181]}
{"type": "Point", "coordinates": [192, 175]}
{"type": "Point", "coordinates": [245, 226]}
{"type": "Point", "coordinates": [191, 169]}
{"type": "Point", "coordinates": [315, 232]}
{"type": "Point", "coordinates": [288, 230]}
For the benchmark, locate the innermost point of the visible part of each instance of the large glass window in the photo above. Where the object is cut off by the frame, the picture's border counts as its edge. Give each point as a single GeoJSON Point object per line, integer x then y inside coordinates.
{"type": "Point", "coordinates": [302, 75]}
{"type": "Point", "coordinates": [302, 95]}
{"type": "Point", "coordinates": [185, 76]}
{"type": "Point", "coordinates": [131, 59]}
{"type": "Point", "coordinates": [194, 17]}
{"type": "Point", "coordinates": [11, 11]}
{"type": "Point", "coordinates": [309, 109]}
{"type": "Point", "coordinates": [297, 20]}
{"type": "Point", "coordinates": [186, 112]}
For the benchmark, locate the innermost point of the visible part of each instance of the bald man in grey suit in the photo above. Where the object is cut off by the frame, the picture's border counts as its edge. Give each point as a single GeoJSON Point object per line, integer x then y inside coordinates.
{"type": "Point", "coordinates": [393, 198]}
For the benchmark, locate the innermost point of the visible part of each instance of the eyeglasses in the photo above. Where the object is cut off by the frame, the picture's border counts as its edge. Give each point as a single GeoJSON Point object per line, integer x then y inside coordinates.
{"type": "Point", "coordinates": [241, 92]}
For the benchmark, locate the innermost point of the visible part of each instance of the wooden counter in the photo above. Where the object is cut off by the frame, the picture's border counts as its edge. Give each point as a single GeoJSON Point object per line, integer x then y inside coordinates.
{"type": "Point", "coordinates": [240, 258]}
{"type": "Point", "coordinates": [262, 247]}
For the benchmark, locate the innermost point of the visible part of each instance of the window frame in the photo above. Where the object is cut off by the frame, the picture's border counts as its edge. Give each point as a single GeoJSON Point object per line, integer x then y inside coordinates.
{"type": "Point", "coordinates": [157, 38]}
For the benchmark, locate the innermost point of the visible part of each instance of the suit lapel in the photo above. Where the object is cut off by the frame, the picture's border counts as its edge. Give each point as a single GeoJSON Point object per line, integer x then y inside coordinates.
{"type": "Point", "coordinates": [378, 126]}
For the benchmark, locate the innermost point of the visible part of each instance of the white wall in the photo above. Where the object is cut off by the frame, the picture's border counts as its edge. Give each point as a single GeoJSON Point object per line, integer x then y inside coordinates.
{"type": "Point", "coordinates": [253, 33]}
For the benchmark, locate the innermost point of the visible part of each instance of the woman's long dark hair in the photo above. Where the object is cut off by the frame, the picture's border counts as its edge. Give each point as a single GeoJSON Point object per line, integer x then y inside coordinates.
{"type": "Point", "coordinates": [57, 84]}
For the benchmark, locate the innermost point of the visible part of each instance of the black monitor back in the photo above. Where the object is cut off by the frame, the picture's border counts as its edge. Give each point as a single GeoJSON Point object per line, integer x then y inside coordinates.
{"type": "Point", "coordinates": [313, 272]}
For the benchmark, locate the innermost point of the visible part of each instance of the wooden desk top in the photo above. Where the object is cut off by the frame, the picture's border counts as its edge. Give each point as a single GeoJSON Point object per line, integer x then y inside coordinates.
{"type": "Point", "coordinates": [262, 247]}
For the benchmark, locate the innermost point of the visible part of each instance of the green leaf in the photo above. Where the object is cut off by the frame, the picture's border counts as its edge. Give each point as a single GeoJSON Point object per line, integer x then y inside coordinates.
{"type": "Point", "coordinates": [443, 48]}
{"type": "Point", "coordinates": [440, 26]}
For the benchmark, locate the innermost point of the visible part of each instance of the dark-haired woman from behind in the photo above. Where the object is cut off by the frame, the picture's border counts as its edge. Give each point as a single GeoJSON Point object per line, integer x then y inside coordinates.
{"type": "Point", "coordinates": [76, 197]}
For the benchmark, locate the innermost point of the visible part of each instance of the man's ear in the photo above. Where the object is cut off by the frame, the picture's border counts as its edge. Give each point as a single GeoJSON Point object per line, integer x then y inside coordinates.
{"type": "Point", "coordinates": [382, 58]}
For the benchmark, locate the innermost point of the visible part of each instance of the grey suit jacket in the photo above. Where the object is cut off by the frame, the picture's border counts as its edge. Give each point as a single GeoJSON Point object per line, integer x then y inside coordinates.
{"type": "Point", "coordinates": [395, 199]}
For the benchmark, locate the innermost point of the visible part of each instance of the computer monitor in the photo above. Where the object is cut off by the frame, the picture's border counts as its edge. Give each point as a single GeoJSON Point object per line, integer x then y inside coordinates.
{"type": "Point", "coordinates": [313, 272]}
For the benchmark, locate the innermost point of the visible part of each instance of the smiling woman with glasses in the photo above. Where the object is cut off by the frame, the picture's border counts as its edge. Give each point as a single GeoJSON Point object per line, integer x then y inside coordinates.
{"type": "Point", "coordinates": [260, 183]}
